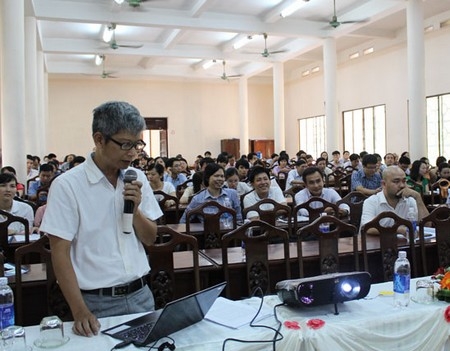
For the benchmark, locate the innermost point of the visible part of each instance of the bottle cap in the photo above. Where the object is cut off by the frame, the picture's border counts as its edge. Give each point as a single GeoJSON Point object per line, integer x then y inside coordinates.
{"type": "Point", "coordinates": [402, 254]}
{"type": "Point", "coordinates": [3, 281]}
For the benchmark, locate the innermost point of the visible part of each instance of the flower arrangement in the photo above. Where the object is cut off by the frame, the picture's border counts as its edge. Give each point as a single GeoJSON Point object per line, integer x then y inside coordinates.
{"type": "Point", "coordinates": [442, 276]}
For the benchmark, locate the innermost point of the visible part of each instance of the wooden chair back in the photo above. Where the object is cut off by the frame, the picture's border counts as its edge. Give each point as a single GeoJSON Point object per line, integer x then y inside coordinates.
{"type": "Point", "coordinates": [281, 179]}
{"type": "Point", "coordinates": [170, 206]}
{"type": "Point", "coordinates": [315, 206]}
{"type": "Point", "coordinates": [354, 200]}
{"type": "Point", "coordinates": [387, 225]}
{"type": "Point", "coordinates": [8, 247]}
{"type": "Point", "coordinates": [440, 220]}
{"type": "Point", "coordinates": [328, 243]}
{"type": "Point", "coordinates": [269, 211]}
{"type": "Point", "coordinates": [256, 236]}
{"type": "Point", "coordinates": [162, 278]}
{"type": "Point", "coordinates": [344, 184]}
{"type": "Point", "coordinates": [210, 213]}
{"type": "Point", "coordinates": [292, 191]}
{"type": "Point", "coordinates": [56, 303]}
{"type": "Point", "coordinates": [442, 185]}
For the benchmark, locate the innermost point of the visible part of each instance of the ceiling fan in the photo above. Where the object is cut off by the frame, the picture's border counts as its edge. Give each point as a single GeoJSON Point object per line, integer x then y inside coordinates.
{"type": "Point", "coordinates": [224, 75]}
{"type": "Point", "coordinates": [334, 21]}
{"type": "Point", "coordinates": [132, 3]}
{"type": "Point", "coordinates": [266, 52]}
{"type": "Point", "coordinates": [105, 73]}
{"type": "Point", "coordinates": [113, 43]}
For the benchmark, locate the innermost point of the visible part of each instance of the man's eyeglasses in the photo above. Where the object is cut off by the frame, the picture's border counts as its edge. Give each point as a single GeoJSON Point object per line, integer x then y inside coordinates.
{"type": "Point", "coordinates": [128, 145]}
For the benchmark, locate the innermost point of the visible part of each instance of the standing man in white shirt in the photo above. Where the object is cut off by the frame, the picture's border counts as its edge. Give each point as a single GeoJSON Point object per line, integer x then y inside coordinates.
{"type": "Point", "coordinates": [102, 270]}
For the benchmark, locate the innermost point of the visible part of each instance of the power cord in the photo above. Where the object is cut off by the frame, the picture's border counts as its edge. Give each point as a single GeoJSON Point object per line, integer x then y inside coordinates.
{"type": "Point", "coordinates": [277, 334]}
{"type": "Point", "coordinates": [167, 345]}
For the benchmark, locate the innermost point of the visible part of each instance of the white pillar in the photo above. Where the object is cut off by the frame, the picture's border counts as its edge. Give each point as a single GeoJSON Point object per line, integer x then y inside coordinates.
{"type": "Point", "coordinates": [31, 93]}
{"type": "Point", "coordinates": [333, 127]}
{"type": "Point", "coordinates": [416, 80]}
{"type": "Point", "coordinates": [243, 115]}
{"type": "Point", "coordinates": [278, 107]}
{"type": "Point", "coordinates": [13, 87]}
{"type": "Point", "coordinates": [42, 106]}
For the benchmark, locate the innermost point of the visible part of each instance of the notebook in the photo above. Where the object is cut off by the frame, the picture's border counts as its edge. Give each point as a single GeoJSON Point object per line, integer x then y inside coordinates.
{"type": "Point", "coordinates": [176, 315]}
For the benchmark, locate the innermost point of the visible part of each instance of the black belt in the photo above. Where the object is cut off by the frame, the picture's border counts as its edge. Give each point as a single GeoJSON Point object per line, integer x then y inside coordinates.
{"type": "Point", "coordinates": [119, 290]}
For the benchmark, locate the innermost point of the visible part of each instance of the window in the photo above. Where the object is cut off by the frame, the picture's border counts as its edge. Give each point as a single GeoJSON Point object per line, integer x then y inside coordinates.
{"type": "Point", "coordinates": [312, 135]}
{"type": "Point", "coordinates": [365, 129]}
{"type": "Point", "coordinates": [438, 125]}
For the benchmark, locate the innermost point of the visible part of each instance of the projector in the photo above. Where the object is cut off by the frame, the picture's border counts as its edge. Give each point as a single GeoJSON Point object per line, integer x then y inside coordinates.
{"type": "Point", "coordinates": [324, 289]}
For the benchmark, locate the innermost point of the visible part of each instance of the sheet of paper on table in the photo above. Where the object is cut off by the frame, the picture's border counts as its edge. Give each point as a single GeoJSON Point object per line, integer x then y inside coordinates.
{"type": "Point", "coordinates": [10, 269]}
{"type": "Point", "coordinates": [235, 314]}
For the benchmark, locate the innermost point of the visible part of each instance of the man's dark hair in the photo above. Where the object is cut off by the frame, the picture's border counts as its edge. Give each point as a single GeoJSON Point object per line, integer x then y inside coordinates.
{"type": "Point", "coordinates": [443, 165]}
{"type": "Point", "coordinates": [300, 162]}
{"type": "Point", "coordinates": [9, 169]}
{"type": "Point", "coordinates": [369, 159]}
{"type": "Point", "coordinates": [319, 159]}
{"type": "Point", "coordinates": [363, 153]}
{"type": "Point", "coordinates": [257, 170]}
{"type": "Point", "coordinates": [46, 167]}
{"type": "Point", "coordinates": [251, 155]}
{"type": "Point", "coordinates": [171, 161]}
{"type": "Point", "coordinates": [7, 177]}
{"type": "Point", "coordinates": [404, 160]}
{"type": "Point", "coordinates": [242, 162]}
{"type": "Point", "coordinates": [210, 169]}
{"type": "Point", "coordinates": [206, 160]}
{"type": "Point", "coordinates": [77, 160]}
{"type": "Point", "coordinates": [354, 157]}
{"type": "Point", "coordinates": [335, 152]}
{"type": "Point", "coordinates": [309, 171]}
{"type": "Point", "coordinates": [222, 158]}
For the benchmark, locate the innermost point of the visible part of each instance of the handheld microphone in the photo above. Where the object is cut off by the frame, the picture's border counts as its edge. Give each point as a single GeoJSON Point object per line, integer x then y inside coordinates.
{"type": "Point", "coordinates": [128, 205]}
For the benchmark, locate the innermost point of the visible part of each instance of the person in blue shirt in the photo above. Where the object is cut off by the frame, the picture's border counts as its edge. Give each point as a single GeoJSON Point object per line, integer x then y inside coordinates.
{"type": "Point", "coordinates": [367, 180]}
{"type": "Point", "coordinates": [214, 179]}
{"type": "Point", "coordinates": [175, 176]}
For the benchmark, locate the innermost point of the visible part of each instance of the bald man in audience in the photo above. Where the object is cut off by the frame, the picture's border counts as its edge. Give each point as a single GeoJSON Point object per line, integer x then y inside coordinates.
{"type": "Point", "coordinates": [395, 197]}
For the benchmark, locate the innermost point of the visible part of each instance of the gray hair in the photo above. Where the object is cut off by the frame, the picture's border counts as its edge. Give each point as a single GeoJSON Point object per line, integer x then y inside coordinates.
{"type": "Point", "coordinates": [115, 116]}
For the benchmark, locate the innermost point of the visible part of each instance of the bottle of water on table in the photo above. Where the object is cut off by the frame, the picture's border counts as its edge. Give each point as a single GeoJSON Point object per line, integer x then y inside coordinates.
{"type": "Point", "coordinates": [226, 220]}
{"type": "Point", "coordinates": [402, 277]}
{"type": "Point", "coordinates": [324, 227]}
{"type": "Point", "coordinates": [412, 217]}
{"type": "Point", "coordinates": [6, 304]}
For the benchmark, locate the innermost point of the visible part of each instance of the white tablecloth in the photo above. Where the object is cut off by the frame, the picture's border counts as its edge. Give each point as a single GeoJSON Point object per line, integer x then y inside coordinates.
{"type": "Point", "coordinates": [369, 324]}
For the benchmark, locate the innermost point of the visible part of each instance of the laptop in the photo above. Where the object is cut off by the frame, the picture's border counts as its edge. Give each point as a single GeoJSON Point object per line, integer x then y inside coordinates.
{"type": "Point", "coordinates": [176, 315]}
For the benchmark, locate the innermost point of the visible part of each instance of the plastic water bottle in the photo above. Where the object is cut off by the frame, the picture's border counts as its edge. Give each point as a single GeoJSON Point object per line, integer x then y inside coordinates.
{"type": "Point", "coordinates": [324, 227]}
{"type": "Point", "coordinates": [412, 217]}
{"type": "Point", "coordinates": [402, 277]}
{"type": "Point", "coordinates": [6, 304]}
{"type": "Point", "coordinates": [226, 219]}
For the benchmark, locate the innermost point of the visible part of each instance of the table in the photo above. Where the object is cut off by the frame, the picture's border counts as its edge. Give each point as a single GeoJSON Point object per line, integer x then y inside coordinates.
{"type": "Point", "coordinates": [367, 324]}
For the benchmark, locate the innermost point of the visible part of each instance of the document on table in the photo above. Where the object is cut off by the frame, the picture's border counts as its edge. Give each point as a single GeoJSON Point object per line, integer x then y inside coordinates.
{"type": "Point", "coordinates": [235, 314]}
{"type": "Point", "coordinates": [10, 269]}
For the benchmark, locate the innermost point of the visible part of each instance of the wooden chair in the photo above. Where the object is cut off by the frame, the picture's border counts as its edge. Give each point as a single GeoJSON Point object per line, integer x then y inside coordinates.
{"type": "Point", "coordinates": [162, 278]}
{"type": "Point", "coordinates": [442, 185]}
{"type": "Point", "coordinates": [315, 206]}
{"type": "Point", "coordinates": [210, 213]}
{"type": "Point", "coordinates": [256, 255]}
{"type": "Point", "coordinates": [281, 179]}
{"type": "Point", "coordinates": [344, 184]}
{"type": "Point", "coordinates": [387, 224]}
{"type": "Point", "coordinates": [355, 201]}
{"type": "Point", "coordinates": [440, 220]}
{"type": "Point", "coordinates": [2, 267]}
{"type": "Point", "coordinates": [269, 211]}
{"type": "Point", "coordinates": [182, 187]}
{"type": "Point", "coordinates": [292, 191]}
{"type": "Point", "coordinates": [172, 212]}
{"type": "Point", "coordinates": [5, 244]}
{"type": "Point", "coordinates": [56, 303]}
{"type": "Point", "coordinates": [328, 243]}
{"type": "Point", "coordinates": [337, 174]}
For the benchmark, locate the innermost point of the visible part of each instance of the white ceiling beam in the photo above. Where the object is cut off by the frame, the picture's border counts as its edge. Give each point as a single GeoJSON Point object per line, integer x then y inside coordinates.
{"type": "Point", "coordinates": [173, 38]}
{"type": "Point", "coordinates": [200, 7]}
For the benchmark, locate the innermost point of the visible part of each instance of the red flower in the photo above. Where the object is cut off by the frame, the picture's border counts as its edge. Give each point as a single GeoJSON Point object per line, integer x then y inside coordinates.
{"type": "Point", "coordinates": [440, 271]}
{"type": "Point", "coordinates": [292, 325]}
{"type": "Point", "coordinates": [447, 314]}
{"type": "Point", "coordinates": [315, 323]}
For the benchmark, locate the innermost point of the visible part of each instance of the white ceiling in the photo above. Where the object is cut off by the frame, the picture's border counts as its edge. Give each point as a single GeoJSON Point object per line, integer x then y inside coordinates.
{"type": "Point", "coordinates": [178, 35]}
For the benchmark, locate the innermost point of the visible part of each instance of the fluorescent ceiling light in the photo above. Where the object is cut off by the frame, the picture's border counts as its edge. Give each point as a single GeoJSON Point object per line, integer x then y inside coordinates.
{"type": "Point", "coordinates": [120, 2]}
{"type": "Point", "coordinates": [242, 42]}
{"type": "Point", "coordinates": [295, 6]}
{"type": "Point", "coordinates": [108, 33]}
{"type": "Point", "coordinates": [429, 28]}
{"type": "Point", "coordinates": [368, 51]}
{"type": "Point", "coordinates": [99, 59]}
{"type": "Point", "coordinates": [354, 55]}
{"type": "Point", "coordinates": [305, 73]}
{"type": "Point", "coordinates": [315, 69]}
{"type": "Point", "coordinates": [209, 64]}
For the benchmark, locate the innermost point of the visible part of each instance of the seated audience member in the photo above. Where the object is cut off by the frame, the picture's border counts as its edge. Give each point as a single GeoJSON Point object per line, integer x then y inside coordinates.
{"type": "Point", "coordinates": [324, 155]}
{"type": "Point", "coordinates": [312, 176]}
{"type": "Point", "coordinates": [222, 159]}
{"type": "Point", "coordinates": [282, 166]}
{"type": "Point", "coordinates": [336, 161]}
{"type": "Point", "coordinates": [76, 161]}
{"type": "Point", "coordinates": [260, 180]}
{"type": "Point", "coordinates": [434, 171]}
{"type": "Point", "coordinates": [321, 163]}
{"type": "Point", "coordinates": [205, 161]}
{"type": "Point", "coordinates": [174, 176]}
{"type": "Point", "coordinates": [184, 168]}
{"type": "Point", "coordinates": [367, 180]}
{"type": "Point", "coordinates": [232, 182]}
{"type": "Point", "coordinates": [272, 161]}
{"type": "Point", "coordinates": [207, 154]}
{"type": "Point", "coordinates": [416, 178]}
{"type": "Point", "coordinates": [231, 162]}
{"type": "Point", "coordinates": [46, 173]}
{"type": "Point", "coordinates": [404, 162]}
{"type": "Point", "coordinates": [309, 160]}
{"type": "Point", "coordinates": [155, 175]}
{"type": "Point", "coordinates": [66, 162]}
{"type": "Point", "coordinates": [20, 187]}
{"type": "Point", "coordinates": [395, 197]}
{"type": "Point", "coordinates": [252, 157]}
{"type": "Point", "coordinates": [443, 171]}
{"type": "Point", "coordinates": [389, 160]}
{"type": "Point", "coordinates": [8, 188]}
{"type": "Point", "coordinates": [214, 178]}
{"type": "Point", "coordinates": [345, 157]}
{"type": "Point", "coordinates": [242, 166]}
{"type": "Point", "coordinates": [31, 171]}
{"type": "Point", "coordinates": [190, 191]}
{"type": "Point", "coordinates": [354, 162]}
{"type": "Point", "coordinates": [295, 175]}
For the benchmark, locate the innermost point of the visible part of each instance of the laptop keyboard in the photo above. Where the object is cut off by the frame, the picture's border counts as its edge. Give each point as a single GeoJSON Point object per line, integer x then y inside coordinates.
{"type": "Point", "coordinates": [138, 334]}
